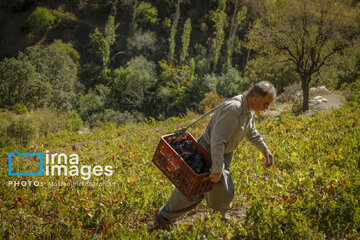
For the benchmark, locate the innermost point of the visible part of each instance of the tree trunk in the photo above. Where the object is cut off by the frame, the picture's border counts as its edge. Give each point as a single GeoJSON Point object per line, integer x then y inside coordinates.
{"type": "Point", "coordinates": [134, 12]}
{"type": "Point", "coordinates": [305, 82]}
{"type": "Point", "coordinates": [233, 28]}
{"type": "Point", "coordinates": [246, 61]}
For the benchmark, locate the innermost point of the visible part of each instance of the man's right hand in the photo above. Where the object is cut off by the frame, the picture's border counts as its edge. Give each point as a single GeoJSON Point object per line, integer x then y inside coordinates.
{"type": "Point", "coordinates": [214, 177]}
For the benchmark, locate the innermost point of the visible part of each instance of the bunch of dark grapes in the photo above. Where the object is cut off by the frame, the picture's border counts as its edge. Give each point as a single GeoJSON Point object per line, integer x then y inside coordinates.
{"type": "Point", "coordinates": [187, 151]}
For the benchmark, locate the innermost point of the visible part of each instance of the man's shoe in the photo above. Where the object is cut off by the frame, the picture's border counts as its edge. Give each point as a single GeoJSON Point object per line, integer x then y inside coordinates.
{"type": "Point", "coordinates": [162, 222]}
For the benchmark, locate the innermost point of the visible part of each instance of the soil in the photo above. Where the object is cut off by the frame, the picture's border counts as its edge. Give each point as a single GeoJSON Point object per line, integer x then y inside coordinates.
{"type": "Point", "coordinates": [237, 214]}
{"type": "Point", "coordinates": [332, 101]}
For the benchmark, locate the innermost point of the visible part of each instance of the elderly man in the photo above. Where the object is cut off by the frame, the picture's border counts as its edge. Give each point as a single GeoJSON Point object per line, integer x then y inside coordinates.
{"type": "Point", "coordinates": [233, 121]}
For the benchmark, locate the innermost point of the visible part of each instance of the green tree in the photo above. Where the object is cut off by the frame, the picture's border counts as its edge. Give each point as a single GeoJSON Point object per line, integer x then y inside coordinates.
{"type": "Point", "coordinates": [57, 69]}
{"type": "Point", "coordinates": [100, 47]}
{"type": "Point", "coordinates": [110, 29]}
{"type": "Point", "coordinates": [219, 18]}
{"type": "Point", "coordinates": [307, 34]}
{"type": "Point", "coordinates": [20, 83]}
{"type": "Point", "coordinates": [263, 69]}
{"type": "Point", "coordinates": [41, 20]}
{"type": "Point", "coordinates": [142, 43]}
{"type": "Point", "coordinates": [146, 14]}
{"type": "Point", "coordinates": [230, 83]}
{"type": "Point", "coordinates": [172, 44]}
{"type": "Point", "coordinates": [237, 18]}
{"type": "Point", "coordinates": [68, 49]}
{"type": "Point", "coordinates": [129, 84]}
{"type": "Point", "coordinates": [185, 40]}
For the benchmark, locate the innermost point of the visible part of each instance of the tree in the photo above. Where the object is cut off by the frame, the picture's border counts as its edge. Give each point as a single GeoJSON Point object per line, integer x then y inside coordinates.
{"type": "Point", "coordinates": [219, 18]}
{"type": "Point", "coordinates": [41, 20]}
{"type": "Point", "coordinates": [99, 47]}
{"type": "Point", "coordinates": [20, 83]}
{"type": "Point", "coordinates": [237, 18]}
{"type": "Point", "coordinates": [173, 33]}
{"type": "Point", "coordinates": [146, 14]}
{"type": "Point", "coordinates": [307, 34]}
{"type": "Point", "coordinates": [185, 40]}
{"type": "Point", "coordinates": [56, 68]}
{"type": "Point", "coordinates": [129, 84]}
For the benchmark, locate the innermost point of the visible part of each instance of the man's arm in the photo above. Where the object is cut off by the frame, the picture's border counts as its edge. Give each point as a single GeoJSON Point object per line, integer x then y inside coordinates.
{"type": "Point", "coordinates": [254, 137]}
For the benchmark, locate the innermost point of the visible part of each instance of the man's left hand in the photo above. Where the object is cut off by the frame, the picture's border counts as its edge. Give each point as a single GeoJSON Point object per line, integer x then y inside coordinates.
{"type": "Point", "coordinates": [269, 158]}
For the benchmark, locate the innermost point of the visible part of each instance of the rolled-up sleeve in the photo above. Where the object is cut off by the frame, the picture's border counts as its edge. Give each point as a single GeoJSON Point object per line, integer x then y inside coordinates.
{"type": "Point", "coordinates": [221, 133]}
{"type": "Point", "coordinates": [254, 137]}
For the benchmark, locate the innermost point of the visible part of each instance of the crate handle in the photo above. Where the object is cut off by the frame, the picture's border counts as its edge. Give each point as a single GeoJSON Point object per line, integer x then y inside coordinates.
{"type": "Point", "coordinates": [179, 133]}
{"type": "Point", "coordinates": [206, 178]}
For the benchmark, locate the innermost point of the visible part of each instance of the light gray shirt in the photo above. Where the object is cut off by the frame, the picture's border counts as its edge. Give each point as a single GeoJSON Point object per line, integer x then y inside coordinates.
{"type": "Point", "coordinates": [228, 126]}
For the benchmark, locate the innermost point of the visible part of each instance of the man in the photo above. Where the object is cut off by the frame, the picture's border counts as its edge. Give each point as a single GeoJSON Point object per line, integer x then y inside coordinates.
{"type": "Point", "coordinates": [233, 121]}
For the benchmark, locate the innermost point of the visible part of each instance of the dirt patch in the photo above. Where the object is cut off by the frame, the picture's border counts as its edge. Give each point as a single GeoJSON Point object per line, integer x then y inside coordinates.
{"type": "Point", "coordinates": [329, 102]}
{"type": "Point", "coordinates": [321, 100]}
{"type": "Point", "coordinates": [236, 214]}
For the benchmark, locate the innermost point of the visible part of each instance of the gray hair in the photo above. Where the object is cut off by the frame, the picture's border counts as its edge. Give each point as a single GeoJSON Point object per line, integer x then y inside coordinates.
{"type": "Point", "coordinates": [262, 89]}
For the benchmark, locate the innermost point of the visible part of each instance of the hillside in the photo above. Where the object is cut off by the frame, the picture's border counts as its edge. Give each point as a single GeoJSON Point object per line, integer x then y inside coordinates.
{"type": "Point", "coordinates": [311, 191]}
{"type": "Point", "coordinates": [124, 61]}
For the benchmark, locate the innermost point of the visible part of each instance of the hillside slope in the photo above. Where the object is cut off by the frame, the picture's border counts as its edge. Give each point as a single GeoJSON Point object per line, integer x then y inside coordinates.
{"type": "Point", "coordinates": [312, 190]}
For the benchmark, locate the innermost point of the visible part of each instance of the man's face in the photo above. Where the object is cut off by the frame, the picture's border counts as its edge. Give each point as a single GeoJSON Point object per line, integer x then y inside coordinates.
{"type": "Point", "coordinates": [263, 103]}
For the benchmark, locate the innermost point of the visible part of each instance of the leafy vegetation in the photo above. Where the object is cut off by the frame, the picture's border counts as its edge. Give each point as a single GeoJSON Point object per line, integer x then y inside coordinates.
{"type": "Point", "coordinates": [41, 20]}
{"type": "Point", "coordinates": [312, 191]}
{"type": "Point", "coordinates": [186, 44]}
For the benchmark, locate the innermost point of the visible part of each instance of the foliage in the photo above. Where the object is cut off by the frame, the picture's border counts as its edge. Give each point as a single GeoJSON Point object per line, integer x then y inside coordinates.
{"type": "Point", "coordinates": [20, 83]}
{"type": "Point", "coordinates": [219, 18]}
{"type": "Point", "coordinates": [231, 83]}
{"type": "Point", "coordinates": [211, 100]}
{"type": "Point", "coordinates": [73, 121]}
{"type": "Point", "coordinates": [68, 49]}
{"type": "Point", "coordinates": [142, 43]}
{"type": "Point", "coordinates": [41, 20]}
{"type": "Point", "coordinates": [19, 108]}
{"type": "Point", "coordinates": [264, 69]}
{"type": "Point", "coordinates": [311, 191]}
{"type": "Point", "coordinates": [238, 17]}
{"type": "Point", "coordinates": [146, 14]}
{"type": "Point", "coordinates": [22, 130]}
{"type": "Point", "coordinates": [185, 39]}
{"type": "Point", "coordinates": [92, 102]}
{"type": "Point", "coordinates": [352, 92]}
{"type": "Point", "coordinates": [57, 69]}
{"type": "Point", "coordinates": [177, 81]}
{"type": "Point", "coordinates": [110, 29]}
{"type": "Point", "coordinates": [129, 84]}
{"type": "Point", "coordinates": [99, 47]}
{"type": "Point", "coordinates": [109, 115]}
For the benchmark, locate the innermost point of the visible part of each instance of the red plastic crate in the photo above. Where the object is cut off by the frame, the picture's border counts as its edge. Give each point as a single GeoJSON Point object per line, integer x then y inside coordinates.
{"type": "Point", "coordinates": [176, 169]}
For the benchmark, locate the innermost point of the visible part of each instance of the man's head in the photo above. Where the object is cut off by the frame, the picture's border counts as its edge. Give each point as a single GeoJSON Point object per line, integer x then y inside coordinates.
{"type": "Point", "coordinates": [261, 95]}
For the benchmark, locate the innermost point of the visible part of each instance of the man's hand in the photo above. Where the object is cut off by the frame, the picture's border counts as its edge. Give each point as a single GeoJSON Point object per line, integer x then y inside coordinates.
{"type": "Point", "coordinates": [214, 177]}
{"type": "Point", "coordinates": [269, 158]}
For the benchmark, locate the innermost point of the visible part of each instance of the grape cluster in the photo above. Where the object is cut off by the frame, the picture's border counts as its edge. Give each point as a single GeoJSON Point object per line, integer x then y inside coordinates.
{"type": "Point", "coordinates": [187, 152]}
